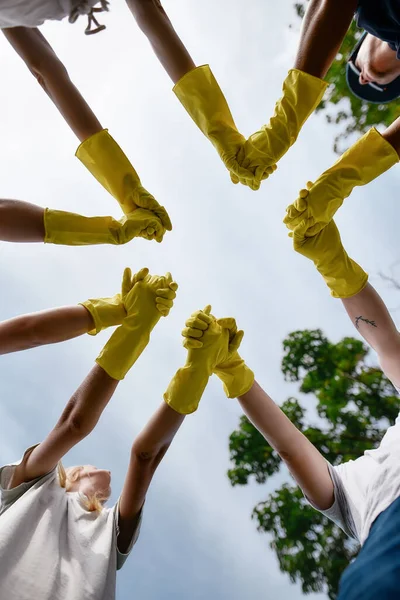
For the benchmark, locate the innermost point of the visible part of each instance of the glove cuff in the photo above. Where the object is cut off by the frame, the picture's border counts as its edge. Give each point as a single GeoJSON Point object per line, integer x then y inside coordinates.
{"type": "Point", "coordinates": [71, 229]}
{"type": "Point", "coordinates": [106, 312]}
{"type": "Point", "coordinates": [343, 276]}
{"type": "Point", "coordinates": [200, 94]}
{"type": "Point", "coordinates": [107, 162]}
{"type": "Point", "coordinates": [123, 348]}
{"type": "Point", "coordinates": [186, 389]}
{"type": "Point", "coordinates": [237, 378]}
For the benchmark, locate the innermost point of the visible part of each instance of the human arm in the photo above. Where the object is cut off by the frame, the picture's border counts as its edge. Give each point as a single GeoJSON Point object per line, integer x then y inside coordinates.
{"type": "Point", "coordinates": [168, 47]}
{"type": "Point", "coordinates": [324, 27]}
{"type": "Point", "coordinates": [392, 135]}
{"type": "Point", "coordinates": [53, 77]}
{"type": "Point", "coordinates": [21, 221]}
{"type": "Point", "coordinates": [372, 320]}
{"type": "Point", "coordinates": [64, 323]}
{"type": "Point", "coordinates": [77, 421]}
{"type": "Point", "coordinates": [304, 461]}
{"type": "Point", "coordinates": [45, 327]}
{"type": "Point", "coordinates": [147, 451]}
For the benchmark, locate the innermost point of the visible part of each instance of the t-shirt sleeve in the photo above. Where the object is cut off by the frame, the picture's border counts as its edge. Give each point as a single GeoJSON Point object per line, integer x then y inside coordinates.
{"type": "Point", "coordinates": [9, 496]}
{"type": "Point", "coordinates": [121, 557]}
{"type": "Point", "coordinates": [340, 512]}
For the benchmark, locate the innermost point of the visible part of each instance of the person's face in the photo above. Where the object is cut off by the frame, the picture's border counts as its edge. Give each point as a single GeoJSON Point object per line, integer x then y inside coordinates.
{"type": "Point", "coordinates": [377, 62]}
{"type": "Point", "coordinates": [91, 480]}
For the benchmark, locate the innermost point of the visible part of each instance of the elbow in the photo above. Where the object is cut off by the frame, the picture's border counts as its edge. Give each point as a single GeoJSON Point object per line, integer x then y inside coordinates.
{"type": "Point", "coordinates": [146, 455]}
{"type": "Point", "coordinates": [44, 70]}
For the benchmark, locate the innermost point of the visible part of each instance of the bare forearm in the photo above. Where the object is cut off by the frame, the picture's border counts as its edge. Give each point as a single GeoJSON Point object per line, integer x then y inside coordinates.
{"type": "Point", "coordinates": [158, 433]}
{"type": "Point", "coordinates": [51, 74]}
{"type": "Point", "coordinates": [85, 407]}
{"type": "Point", "coordinates": [304, 461]}
{"type": "Point", "coordinates": [47, 327]}
{"type": "Point", "coordinates": [392, 135]}
{"type": "Point", "coordinates": [168, 47]}
{"type": "Point", "coordinates": [371, 318]}
{"type": "Point", "coordinates": [21, 221]}
{"type": "Point", "coordinates": [324, 27]}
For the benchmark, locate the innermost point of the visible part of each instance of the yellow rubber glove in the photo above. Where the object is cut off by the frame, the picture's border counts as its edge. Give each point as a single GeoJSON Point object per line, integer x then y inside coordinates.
{"type": "Point", "coordinates": [108, 312]}
{"type": "Point", "coordinates": [106, 161]}
{"type": "Point", "coordinates": [149, 299]}
{"type": "Point", "coordinates": [368, 158]}
{"type": "Point", "coordinates": [187, 386]}
{"type": "Point", "coordinates": [198, 91]}
{"type": "Point", "coordinates": [71, 229]}
{"type": "Point", "coordinates": [343, 276]}
{"type": "Point", "coordinates": [301, 95]}
{"type": "Point", "coordinates": [233, 371]}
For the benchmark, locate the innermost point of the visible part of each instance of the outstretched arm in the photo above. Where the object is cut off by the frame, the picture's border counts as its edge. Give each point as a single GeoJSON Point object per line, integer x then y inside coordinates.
{"type": "Point", "coordinates": [305, 462]}
{"type": "Point", "coordinates": [324, 27]}
{"type": "Point", "coordinates": [169, 49]}
{"type": "Point", "coordinates": [78, 419]}
{"type": "Point", "coordinates": [21, 221]}
{"type": "Point", "coordinates": [147, 451]}
{"type": "Point", "coordinates": [45, 327]}
{"type": "Point", "coordinates": [371, 318]}
{"type": "Point", "coordinates": [51, 74]}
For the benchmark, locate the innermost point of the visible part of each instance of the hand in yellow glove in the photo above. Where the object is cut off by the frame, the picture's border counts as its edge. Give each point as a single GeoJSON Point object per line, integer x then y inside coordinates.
{"type": "Point", "coordinates": [106, 161]}
{"type": "Point", "coordinates": [343, 276]}
{"type": "Point", "coordinates": [233, 371]}
{"type": "Point", "coordinates": [150, 298]}
{"type": "Point", "coordinates": [212, 348]}
{"type": "Point", "coordinates": [199, 93]}
{"type": "Point", "coordinates": [368, 158]}
{"type": "Point", "coordinates": [108, 312]}
{"type": "Point", "coordinates": [71, 229]}
{"type": "Point", "coordinates": [301, 95]}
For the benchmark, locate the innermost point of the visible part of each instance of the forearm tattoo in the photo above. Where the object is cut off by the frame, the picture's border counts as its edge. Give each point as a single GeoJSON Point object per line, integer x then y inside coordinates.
{"type": "Point", "coordinates": [367, 321]}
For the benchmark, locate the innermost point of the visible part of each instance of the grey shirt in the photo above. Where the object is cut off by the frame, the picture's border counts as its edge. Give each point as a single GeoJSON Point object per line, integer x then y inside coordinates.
{"type": "Point", "coordinates": [51, 547]}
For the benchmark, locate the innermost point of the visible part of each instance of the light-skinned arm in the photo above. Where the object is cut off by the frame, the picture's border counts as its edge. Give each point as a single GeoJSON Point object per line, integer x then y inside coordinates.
{"type": "Point", "coordinates": [304, 461]}
{"type": "Point", "coordinates": [44, 327]}
{"type": "Point", "coordinates": [53, 77]}
{"type": "Point", "coordinates": [370, 316]}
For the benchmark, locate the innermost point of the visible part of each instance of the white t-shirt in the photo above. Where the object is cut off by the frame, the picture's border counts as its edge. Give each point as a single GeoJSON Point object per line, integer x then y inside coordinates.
{"type": "Point", "coordinates": [51, 547]}
{"type": "Point", "coordinates": [365, 487]}
{"type": "Point", "coordinates": [33, 13]}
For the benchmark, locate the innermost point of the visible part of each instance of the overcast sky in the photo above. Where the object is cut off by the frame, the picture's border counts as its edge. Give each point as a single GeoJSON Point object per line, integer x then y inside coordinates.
{"type": "Point", "coordinates": [228, 248]}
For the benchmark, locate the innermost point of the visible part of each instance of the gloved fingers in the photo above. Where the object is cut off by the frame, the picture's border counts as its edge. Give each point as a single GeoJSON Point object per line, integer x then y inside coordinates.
{"type": "Point", "coordinates": [164, 310]}
{"type": "Point", "coordinates": [126, 281]}
{"type": "Point", "coordinates": [166, 293]}
{"type": "Point", "coordinates": [236, 341]}
{"type": "Point", "coordinates": [191, 343]}
{"type": "Point", "coordinates": [164, 302]}
{"type": "Point", "coordinates": [139, 275]}
{"type": "Point", "coordinates": [144, 199]}
{"type": "Point", "coordinates": [191, 332]}
{"type": "Point", "coordinates": [162, 214]}
{"type": "Point", "coordinates": [196, 323]}
{"type": "Point", "coordinates": [206, 312]}
{"type": "Point", "coordinates": [228, 323]}
{"type": "Point", "coordinates": [168, 278]}
{"type": "Point", "coordinates": [234, 178]}
{"type": "Point", "coordinates": [173, 286]}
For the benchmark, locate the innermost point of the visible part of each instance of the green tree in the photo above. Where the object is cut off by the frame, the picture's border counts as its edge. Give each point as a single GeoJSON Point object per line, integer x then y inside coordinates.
{"type": "Point", "coordinates": [355, 404]}
{"type": "Point", "coordinates": [352, 114]}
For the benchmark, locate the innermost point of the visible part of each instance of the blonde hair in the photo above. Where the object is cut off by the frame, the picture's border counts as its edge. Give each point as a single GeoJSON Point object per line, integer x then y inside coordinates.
{"type": "Point", "coordinates": [68, 476]}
